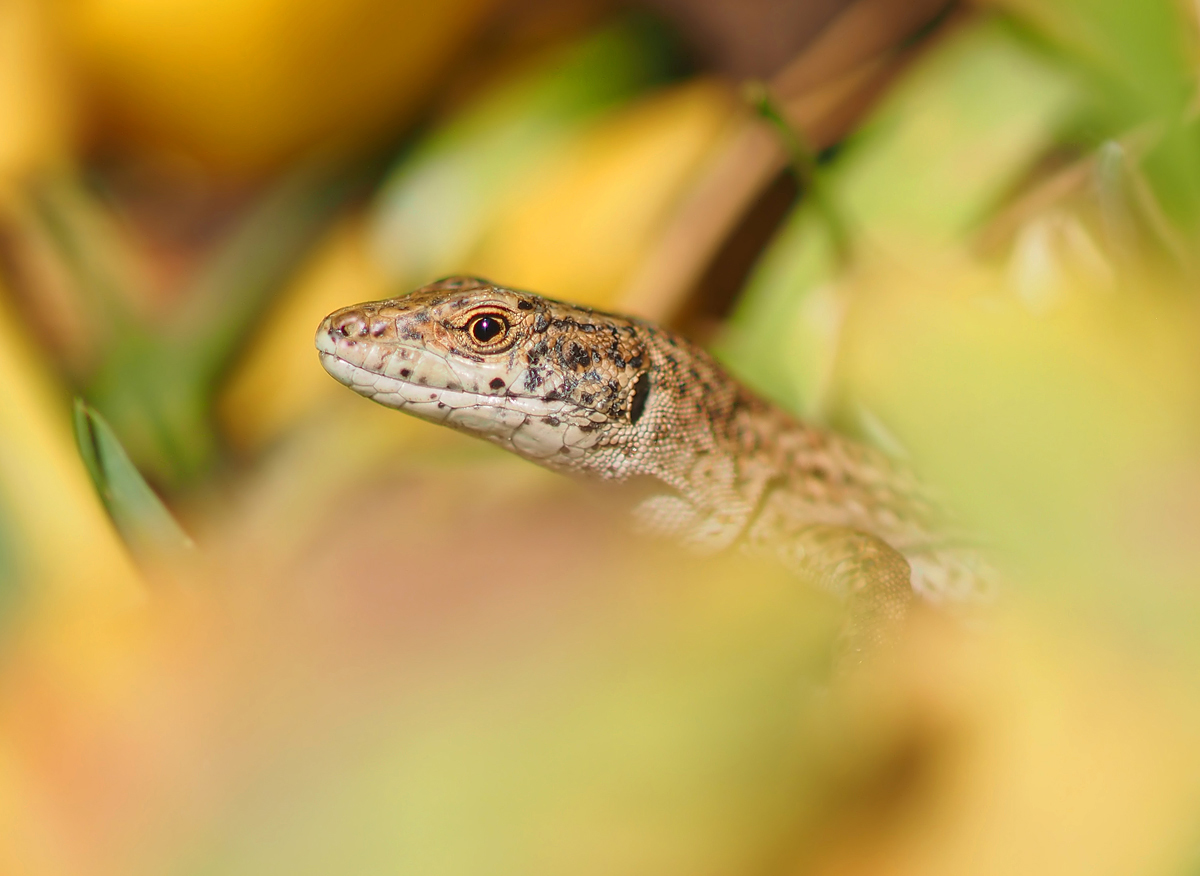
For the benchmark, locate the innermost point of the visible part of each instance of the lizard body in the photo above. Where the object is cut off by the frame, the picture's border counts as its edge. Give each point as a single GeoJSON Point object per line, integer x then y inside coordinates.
{"type": "Point", "coordinates": [621, 399]}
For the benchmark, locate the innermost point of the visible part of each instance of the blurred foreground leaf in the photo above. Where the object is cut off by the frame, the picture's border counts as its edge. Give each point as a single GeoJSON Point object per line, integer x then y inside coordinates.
{"type": "Point", "coordinates": [144, 521]}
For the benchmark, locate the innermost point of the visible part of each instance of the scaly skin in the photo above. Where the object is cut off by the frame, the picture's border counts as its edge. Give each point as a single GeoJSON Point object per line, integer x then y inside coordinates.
{"type": "Point", "coordinates": [623, 400]}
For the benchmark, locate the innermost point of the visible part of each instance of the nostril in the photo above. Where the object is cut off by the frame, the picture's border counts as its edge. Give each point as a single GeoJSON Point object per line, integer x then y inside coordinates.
{"type": "Point", "coordinates": [351, 324]}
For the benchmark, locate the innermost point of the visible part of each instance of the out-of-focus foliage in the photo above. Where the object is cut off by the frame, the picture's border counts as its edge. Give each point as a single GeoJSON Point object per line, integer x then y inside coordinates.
{"type": "Point", "coordinates": [924, 170]}
{"type": "Point", "coordinates": [144, 521]}
{"type": "Point", "coordinates": [405, 652]}
{"type": "Point", "coordinates": [1140, 62]}
{"type": "Point", "coordinates": [57, 545]}
{"type": "Point", "coordinates": [157, 376]}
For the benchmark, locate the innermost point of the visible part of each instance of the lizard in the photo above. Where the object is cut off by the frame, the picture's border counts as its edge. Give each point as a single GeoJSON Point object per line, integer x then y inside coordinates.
{"type": "Point", "coordinates": [622, 399]}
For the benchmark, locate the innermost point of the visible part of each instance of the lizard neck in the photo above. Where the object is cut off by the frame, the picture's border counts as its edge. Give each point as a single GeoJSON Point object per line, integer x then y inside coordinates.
{"type": "Point", "coordinates": [738, 466]}
{"type": "Point", "coordinates": [717, 448]}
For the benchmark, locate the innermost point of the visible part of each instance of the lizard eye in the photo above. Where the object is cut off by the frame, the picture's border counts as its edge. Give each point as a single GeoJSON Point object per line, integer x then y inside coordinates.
{"type": "Point", "coordinates": [488, 328]}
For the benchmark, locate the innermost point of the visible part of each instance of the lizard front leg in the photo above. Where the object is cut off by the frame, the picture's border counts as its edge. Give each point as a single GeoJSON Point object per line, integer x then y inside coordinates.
{"type": "Point", "coordinates": [873, 578]}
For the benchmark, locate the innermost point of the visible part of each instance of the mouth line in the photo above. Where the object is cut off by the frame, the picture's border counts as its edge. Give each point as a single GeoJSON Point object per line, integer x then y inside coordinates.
{"type": "Point", "coordinates": [325, 355]}
{"type": "Point", "coordinates": [439, 404]}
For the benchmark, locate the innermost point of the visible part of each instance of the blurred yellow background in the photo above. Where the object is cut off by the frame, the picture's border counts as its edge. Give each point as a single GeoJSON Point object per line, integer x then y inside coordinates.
{"type": "Point", "coordinates": [969, 240]}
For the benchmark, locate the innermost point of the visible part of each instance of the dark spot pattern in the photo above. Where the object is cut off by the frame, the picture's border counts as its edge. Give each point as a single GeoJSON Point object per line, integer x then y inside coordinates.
{"type": "Point", "coordinates": [577, 357]}
{"type": "Point", "coordinates": [533, 379]}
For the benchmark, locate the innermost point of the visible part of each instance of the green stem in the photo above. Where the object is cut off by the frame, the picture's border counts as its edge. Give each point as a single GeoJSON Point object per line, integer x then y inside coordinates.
{"type": "Point", "coordinates": [803, 161]}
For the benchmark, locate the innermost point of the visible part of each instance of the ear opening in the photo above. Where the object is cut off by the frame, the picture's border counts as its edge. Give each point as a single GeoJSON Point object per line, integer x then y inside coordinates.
{"type": "Point", "coordinates": [637, 401]}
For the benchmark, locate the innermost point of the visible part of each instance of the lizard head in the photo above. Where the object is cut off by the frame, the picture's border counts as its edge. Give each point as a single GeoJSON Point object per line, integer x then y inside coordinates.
{"type": "Point", "coordinates": [563, 385]}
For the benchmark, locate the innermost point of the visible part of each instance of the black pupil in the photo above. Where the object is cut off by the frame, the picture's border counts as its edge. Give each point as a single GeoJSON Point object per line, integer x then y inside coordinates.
{"type": "Point", "coordinates": [486, 328]}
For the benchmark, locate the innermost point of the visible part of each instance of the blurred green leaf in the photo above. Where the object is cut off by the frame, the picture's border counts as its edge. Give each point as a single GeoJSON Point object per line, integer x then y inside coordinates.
{"type": "Point", "coordinates": [1142, 51]}
{"type": "Point", "coordinates": [12, 573]}
{"type": "Point", "coordinates": [157, 381]}
{"type": "Point", "coordinates": [942, 150]}
{"type": "Point", "coordinates": [1140, 60]}
{"type": "Point", "coordinates": [804, 167]}
{"type": "Point", "coordinates": [955, 137]}
{"type": "Point", "coordinates": [144, 521]}
{"type": "Point", "coordinates": [783, 337]}
{"type": "Point", "coordinates": [1133, 223]}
